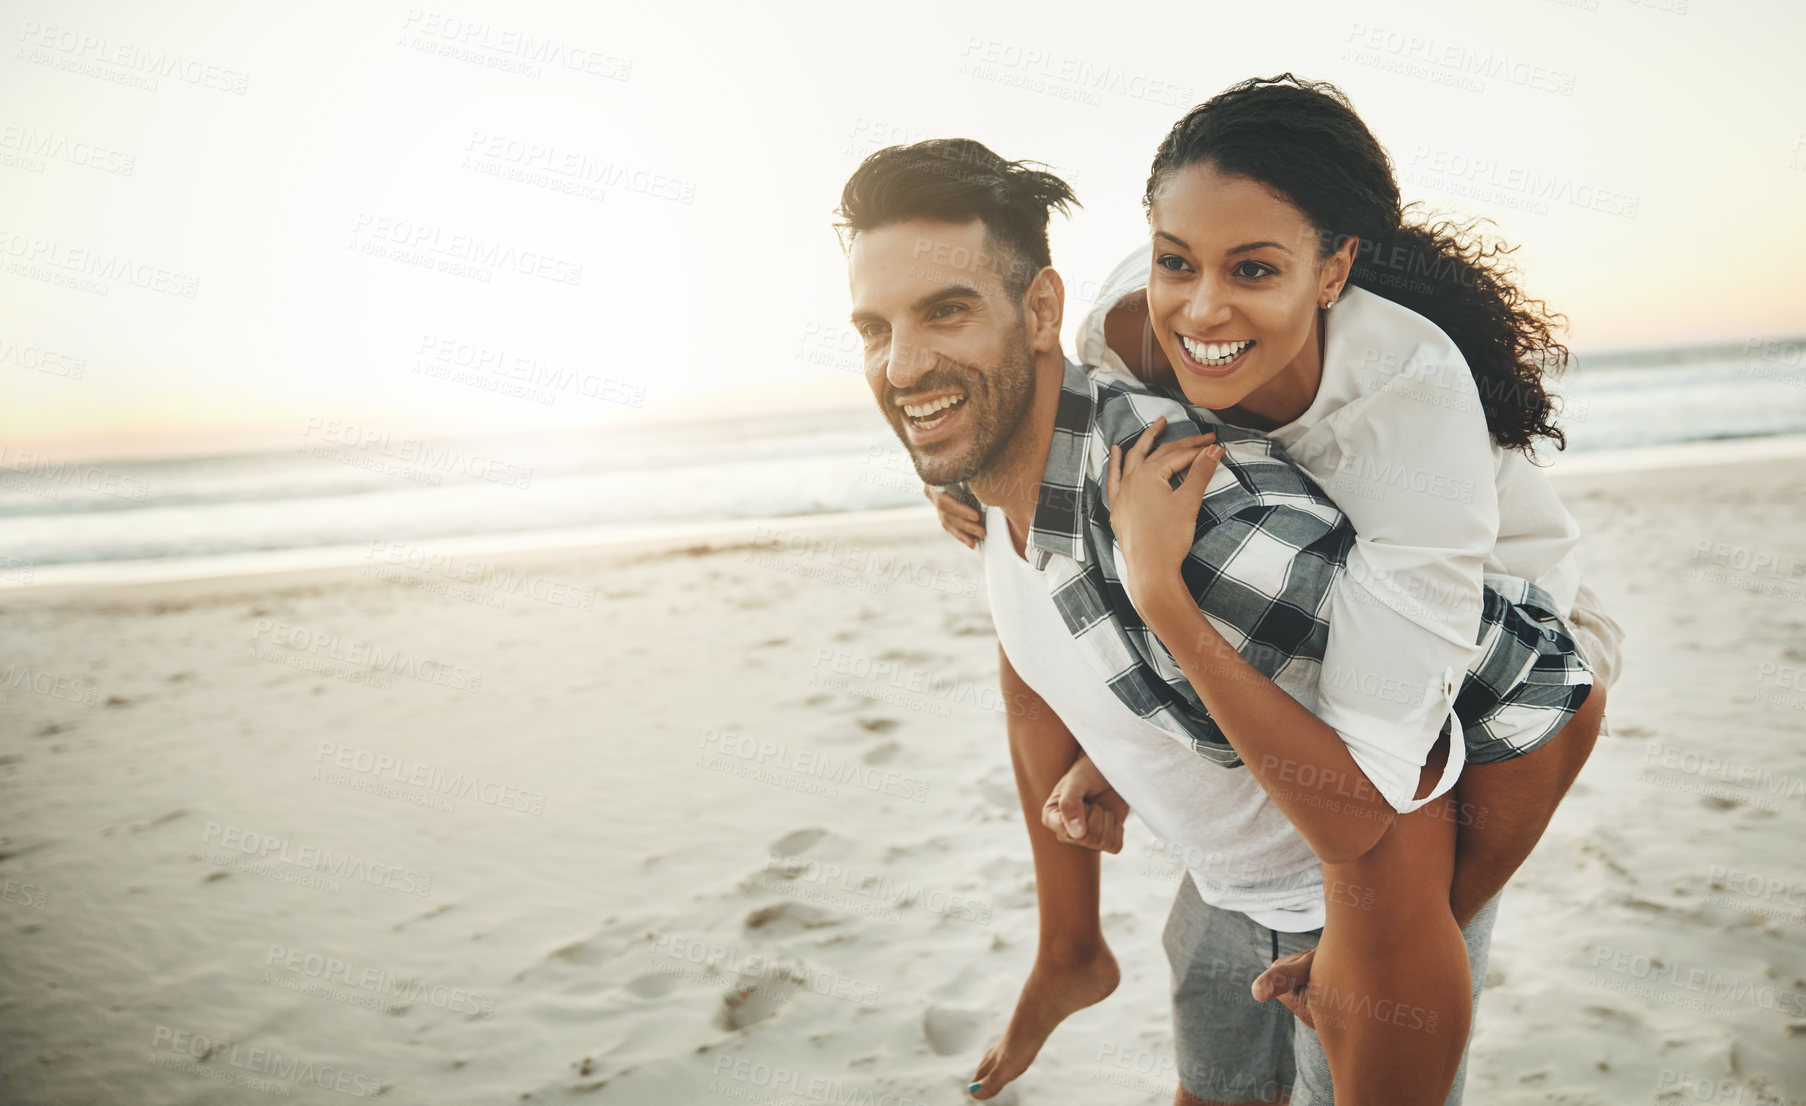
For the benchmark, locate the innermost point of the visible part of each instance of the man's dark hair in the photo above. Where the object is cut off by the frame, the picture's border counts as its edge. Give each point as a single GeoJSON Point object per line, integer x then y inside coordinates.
{"type": "Point", "coordinates": [956, 180]}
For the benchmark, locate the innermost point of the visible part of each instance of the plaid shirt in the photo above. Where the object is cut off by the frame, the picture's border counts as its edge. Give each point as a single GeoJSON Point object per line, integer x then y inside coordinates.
{"type": "Point", "coordinates": [1270, 547]}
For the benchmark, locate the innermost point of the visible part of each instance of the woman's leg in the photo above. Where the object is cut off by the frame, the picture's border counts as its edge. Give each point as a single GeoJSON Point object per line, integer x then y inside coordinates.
{"type": "Point", "coordinates": [1073, 966]}
{"type": "Point", "coordinates": [1505, 806]}
{"type": "Point", "coordinates": [1390, 992]}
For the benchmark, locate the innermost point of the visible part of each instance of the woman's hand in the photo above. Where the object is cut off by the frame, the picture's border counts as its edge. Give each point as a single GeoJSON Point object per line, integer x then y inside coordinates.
{"type": "Point", "coordinates": [958, 519]}
{"type": "Point", "coordinates": [1156, 524]}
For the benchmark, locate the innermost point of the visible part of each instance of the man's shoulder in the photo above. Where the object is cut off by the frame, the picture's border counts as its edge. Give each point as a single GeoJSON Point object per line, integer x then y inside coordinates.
{"type": "Point", "coordinates": [1254, 471]}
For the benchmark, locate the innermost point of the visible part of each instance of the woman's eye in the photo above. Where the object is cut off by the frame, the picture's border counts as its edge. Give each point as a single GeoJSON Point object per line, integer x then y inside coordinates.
{"type": "Point", "coordinates": [1252, 270]}
{"type": "Point", "coordinates": [1178, 263]}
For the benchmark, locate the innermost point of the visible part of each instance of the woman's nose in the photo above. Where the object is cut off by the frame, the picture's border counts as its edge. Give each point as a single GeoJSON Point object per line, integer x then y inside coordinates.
{"type": "Point", "coordinates": [1208, 306]}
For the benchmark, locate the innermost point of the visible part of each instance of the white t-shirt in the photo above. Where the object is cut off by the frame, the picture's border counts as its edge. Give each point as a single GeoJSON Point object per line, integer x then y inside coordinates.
{"type": "Point", "coordinates": [1397, 437]}
{"type": "Point", "coordinates": [1242, 852]}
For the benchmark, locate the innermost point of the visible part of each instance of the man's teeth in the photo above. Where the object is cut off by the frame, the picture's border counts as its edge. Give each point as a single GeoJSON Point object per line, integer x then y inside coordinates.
{"type": "Point", "coordinates": [1213, 353]}
{"type": "Point", "coordinates": [923, 410]}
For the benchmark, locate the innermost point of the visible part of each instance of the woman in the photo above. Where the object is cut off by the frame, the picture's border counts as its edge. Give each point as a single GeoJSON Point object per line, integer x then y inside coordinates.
{"type": "Point", "coordinates": [1401, 366]}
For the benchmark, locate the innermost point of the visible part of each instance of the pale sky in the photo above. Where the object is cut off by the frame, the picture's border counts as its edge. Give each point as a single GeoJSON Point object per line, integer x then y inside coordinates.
{"type": "Point", "coordinates": [242, 162]}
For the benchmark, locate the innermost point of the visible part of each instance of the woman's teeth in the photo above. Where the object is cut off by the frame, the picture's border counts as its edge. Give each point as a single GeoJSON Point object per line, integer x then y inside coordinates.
{"type": "Point", "coordinates": [1214, 353]}
{"type": "Point", "coordinates": [926, 415]}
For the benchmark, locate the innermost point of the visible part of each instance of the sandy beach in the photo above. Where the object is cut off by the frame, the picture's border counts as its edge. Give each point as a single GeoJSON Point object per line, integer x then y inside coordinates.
{"type": "Point", "coordinates": [730, 818]}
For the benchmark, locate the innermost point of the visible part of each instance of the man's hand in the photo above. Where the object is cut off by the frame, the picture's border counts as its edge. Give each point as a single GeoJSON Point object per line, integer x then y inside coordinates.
{"type": "Point", "coordinates": [1084, 809]}
{"type": "Point", "coordinates": [1289, 981]}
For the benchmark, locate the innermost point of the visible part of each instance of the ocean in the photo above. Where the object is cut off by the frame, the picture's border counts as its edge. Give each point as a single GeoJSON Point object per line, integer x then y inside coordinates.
{"type": "Point", "coordinates": [340, 487]}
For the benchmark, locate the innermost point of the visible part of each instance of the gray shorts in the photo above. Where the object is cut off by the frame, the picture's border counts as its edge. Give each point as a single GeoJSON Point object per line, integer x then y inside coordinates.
{"type": "Point", "coordinates": [1229, 1047]}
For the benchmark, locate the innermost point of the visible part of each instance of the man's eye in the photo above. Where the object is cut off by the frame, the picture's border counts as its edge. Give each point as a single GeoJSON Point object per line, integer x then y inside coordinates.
{"type": "Point", "coordinates": [1253, 270]}
{"type": "Point", "coordinates": [945, 310]}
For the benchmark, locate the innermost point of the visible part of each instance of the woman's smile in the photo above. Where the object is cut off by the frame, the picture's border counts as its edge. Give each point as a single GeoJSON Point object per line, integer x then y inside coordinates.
{"type": "Point", "coordinates": [1213, 358]}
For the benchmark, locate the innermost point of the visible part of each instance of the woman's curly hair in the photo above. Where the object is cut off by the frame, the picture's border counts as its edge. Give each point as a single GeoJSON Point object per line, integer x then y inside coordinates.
{"type": "Point", "coordinates": [1303, 140]}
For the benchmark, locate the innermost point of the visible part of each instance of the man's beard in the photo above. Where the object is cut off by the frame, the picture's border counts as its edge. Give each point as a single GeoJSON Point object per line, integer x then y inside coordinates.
{"type": "Point", "coordinates": [998, 398]}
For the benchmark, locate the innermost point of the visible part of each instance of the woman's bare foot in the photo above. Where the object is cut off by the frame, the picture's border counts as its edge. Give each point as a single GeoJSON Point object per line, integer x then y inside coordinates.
{"type": "Point", "coordinates": [1055, 990]}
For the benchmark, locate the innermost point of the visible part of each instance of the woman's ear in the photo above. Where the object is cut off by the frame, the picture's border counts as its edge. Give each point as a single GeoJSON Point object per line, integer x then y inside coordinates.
{"type": "Point", "coordinates": [1336, 268]}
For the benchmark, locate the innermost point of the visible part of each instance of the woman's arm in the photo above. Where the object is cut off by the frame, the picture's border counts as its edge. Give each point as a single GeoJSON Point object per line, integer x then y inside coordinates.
{"type": "Point", "coordinates": [1300, 761]}
{"type": "Point", "coordinates": [1128, 335]}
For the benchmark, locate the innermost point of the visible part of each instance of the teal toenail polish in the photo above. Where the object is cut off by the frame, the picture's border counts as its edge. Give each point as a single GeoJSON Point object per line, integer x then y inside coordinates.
{"type": "Point", "coordinates": [975, 1086]}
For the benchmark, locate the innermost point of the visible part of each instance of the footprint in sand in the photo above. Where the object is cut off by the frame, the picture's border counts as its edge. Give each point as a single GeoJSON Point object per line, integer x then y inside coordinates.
{"type": "Point", "coordinates": [651, 985]}
{"type": "Point", "coordinates": [428, 916]}
{"type": "Point", "coordinates": [788, 919]}
{"type": "Point", "coordinates": [159, 820]}
{"type": "Point", "coordinates": [882, 754]}
{"type": "Point", "coordinates": [878, 725]}
{"type": "Point", "coordinates": [759, 995]}
{"type": "Point", "coordinates": [952, 1030]}
{"type": "Point", "coordinates": [798, 841]}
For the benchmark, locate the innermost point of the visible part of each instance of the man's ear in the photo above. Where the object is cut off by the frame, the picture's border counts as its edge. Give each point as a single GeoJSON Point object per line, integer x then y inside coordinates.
{"type": "Point", "coordinates": [1043, 310]}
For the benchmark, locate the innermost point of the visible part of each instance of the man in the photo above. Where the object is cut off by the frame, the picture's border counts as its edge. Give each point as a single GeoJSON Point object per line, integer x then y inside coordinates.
{"type": "Point", "coordinates": [959, 309]}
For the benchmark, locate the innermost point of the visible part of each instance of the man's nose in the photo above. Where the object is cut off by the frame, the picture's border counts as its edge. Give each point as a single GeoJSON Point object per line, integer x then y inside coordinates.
{"type": "Point", "coordinates": [908, 361]}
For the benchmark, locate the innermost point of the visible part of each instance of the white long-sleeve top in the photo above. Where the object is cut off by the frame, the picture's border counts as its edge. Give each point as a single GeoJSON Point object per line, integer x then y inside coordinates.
{"type": "Point", "coordinates": [1397, 436]}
